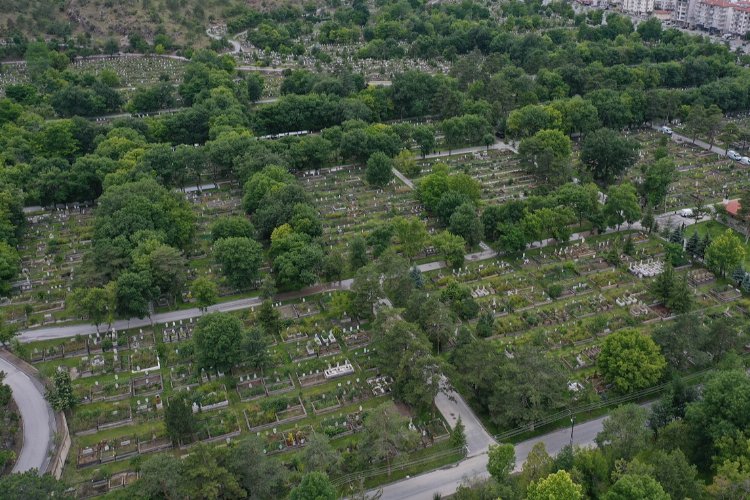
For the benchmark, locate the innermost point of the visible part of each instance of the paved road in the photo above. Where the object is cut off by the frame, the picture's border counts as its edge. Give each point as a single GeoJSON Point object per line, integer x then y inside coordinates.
{"type": "Point", "coordinates": [38, 419]}
{"type": "Point", "coordinates": [445, 481]}
{"type": "Point", "coordinates": [452, 406]}
{"type": "Point", "coordinates": [679, 138]}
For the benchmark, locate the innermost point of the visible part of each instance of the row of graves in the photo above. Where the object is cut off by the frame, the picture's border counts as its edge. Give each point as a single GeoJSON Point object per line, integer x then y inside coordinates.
{"type": "Point", "coordinates": [349, 207]}
{"type": "Point", "coordinates": [52, 248]}
{"type": "Point", "coordinates": [498, 171]}
{"type": "Point", "coordinates": [333, 56]}
{"type": "Point", "coordinates": [567, 295]}
{"type": "Point", "coordinates": [701, 175]}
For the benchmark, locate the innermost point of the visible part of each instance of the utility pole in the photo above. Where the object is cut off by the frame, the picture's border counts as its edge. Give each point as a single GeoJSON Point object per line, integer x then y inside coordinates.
{"type": "Point", "coordinates": [572, 425]}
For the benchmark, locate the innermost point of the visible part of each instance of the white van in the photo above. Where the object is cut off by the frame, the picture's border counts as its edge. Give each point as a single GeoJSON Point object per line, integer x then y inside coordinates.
{"type": "Point", "coordinates": [665, 130]}
{"type": "Point", "coordinates": [733, 155]}
{"type": "Point", "coordinates": [685, 212]}
{"type": "Point", "coordinates": [745, 160]}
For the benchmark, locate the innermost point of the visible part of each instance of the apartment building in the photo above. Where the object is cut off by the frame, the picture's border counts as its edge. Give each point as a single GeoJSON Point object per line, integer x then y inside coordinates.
{"type": "Point", "coordinates": [725, 16]}
{"type": "Point", "coordinates": [639, 7]}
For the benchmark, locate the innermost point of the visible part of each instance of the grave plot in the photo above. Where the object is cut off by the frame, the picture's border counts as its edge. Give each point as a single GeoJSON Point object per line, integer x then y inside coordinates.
{"type": "Point", "coordinates": [288, 440]}
{"type": "Point", "coordinates": [176, 332]}
{"type": "Point", "coordinates": [208, 397]}
{"type": "Point", "coordinates": [314, 371]}
{"type": "Point", "coordinates": [51, 249]}
{"type": "Point", "coordinates": [701, 175]}
{"type": "Point", "coordinates": [349, 207]}
{"type": "Point", "coordinates": [99, 416]}
{"type": "Point", "coordinates": [499, 172]}
{"type": "Point", "coordinates": [216, 426]}
{"type": "Point", "coordinates": [273, 412]}
{"type": "Point", "coordinates": [209, 204]}
{"type": "Point", "coordinates": [114, 388]}
{"type": "Point", "coordinates": [337, 426]}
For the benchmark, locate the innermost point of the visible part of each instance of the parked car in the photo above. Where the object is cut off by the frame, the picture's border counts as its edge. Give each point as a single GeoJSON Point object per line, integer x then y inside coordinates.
{"type": "Point", "coordinates": [745, 160]}
{"type": "Point", "coordinates": [666, 130]}
{"type": "Point", "coordinates": [685, 212]}
{"type": "Point", "coordinates": [733, 155]}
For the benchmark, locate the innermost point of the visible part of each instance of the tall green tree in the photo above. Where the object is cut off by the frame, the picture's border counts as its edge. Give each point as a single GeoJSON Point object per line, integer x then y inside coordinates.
{"type": "Point", "coordinates": [631, 360]}
{"type": "Point", "coordinates": [217, 339]}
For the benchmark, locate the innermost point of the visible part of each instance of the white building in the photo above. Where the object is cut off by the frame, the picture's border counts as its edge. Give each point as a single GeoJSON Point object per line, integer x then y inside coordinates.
{"type": "Point", "coordinates": [639, 7]}
{"type": "Point", "coordinates": [721, 15]}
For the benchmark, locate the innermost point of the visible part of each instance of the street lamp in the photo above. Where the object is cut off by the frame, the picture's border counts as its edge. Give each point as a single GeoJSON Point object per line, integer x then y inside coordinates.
{"type": "Point", "coordinates": [572, 425]}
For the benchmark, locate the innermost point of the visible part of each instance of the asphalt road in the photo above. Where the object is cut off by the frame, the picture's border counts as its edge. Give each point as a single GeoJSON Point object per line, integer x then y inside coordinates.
{"type": "Point", "coordinates": [38, 420]}
{"type": "Point", "coordinates": [445, 481]}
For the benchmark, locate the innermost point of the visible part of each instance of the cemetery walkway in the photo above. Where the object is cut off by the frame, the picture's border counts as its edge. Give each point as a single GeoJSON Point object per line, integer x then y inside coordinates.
{"type": "Point", "coordinates": [445, 481]}
{"type": "Point", "coordinates": [36, 414]}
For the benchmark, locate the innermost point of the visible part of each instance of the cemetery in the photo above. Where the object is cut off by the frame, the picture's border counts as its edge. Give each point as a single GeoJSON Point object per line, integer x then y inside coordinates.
{"type": "Point", "coordinates": [125, 379]}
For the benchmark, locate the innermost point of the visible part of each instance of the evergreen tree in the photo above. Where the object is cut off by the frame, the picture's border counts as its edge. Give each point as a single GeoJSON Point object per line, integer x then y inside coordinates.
{"type": "Point", "coordinates": [416, 276]}
{"type": "Point", "coordinates": [745, 285]}
{"type": "Point", "coordinates": [458, 435]}
{"type": "Point", "coordinates": [705, 242]}
{"type": "Point", "coordinates": [676, 236]}
{"type": "Point", "coordinates": [693, 244]}
{"type": "Point", "coordinates": [738, 275]}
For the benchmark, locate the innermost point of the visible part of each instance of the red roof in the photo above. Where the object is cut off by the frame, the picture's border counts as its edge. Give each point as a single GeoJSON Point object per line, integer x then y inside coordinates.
{"type": "Point", "coordinates": [732, 207]}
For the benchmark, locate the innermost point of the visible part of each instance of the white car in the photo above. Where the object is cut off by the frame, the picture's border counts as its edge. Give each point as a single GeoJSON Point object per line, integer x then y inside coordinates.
{"type": "Point", "coordinates": [665, 130]}
{"type": "Point", "coordinates": [745, 160]}
{"type": "Point", "coordinates": [685, 212]}
{"type": "Point", "coordinates": [733, 155]}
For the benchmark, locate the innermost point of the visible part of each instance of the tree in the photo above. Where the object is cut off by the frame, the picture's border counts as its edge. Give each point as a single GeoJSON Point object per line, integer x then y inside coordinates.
{"type": "Point", "coordinates": [260, 476]}
{"type": "Point", "coordinates": [357, 253]}
{"type": "Point", "coordinates": [630, 360]}
{"type": "Point", "coordinates": [675, 474]}
{"type": "Point", "coordinates": [205, 292]}
{"type": "Point", "coordinates": [725, 253]}
{"type": "Point", "coordinates": [233, 226]}
{"type": "Point", "coordinates": [240, 259]}
{"type": "Point", "coordinates": [622, 205]}
{"type": "Point", "coordinates": [501, 460]}
{"type": "Point", "coordinates": [458, 434]}
{"type": "Point", "coordinates": [314, 486]}
{"type": "Point", "coordinates": [557, 486]}
{"type": "Point", "coordinates": [205, 477]}
{"type": "Point", "coordinates": [135, 291]}
{"type": "Point", "coordinates": [10, 266]}
{"type": "Point", "coordinates": [547, 155]}
{"type": "Point", "coordinates": [255, 349]}
{"type": "Point", "coordinates": [466, 223]}
{"type": "Point", "coordinates": [92, 303]}
{"type": "Point", "coordinates": [659, 176]}
{"type": "Point", "coordinates": [424, 136]}
{"type": "Point", "coordinates": [528, 120]}
{"type": "Point", "coordinates": [537, 466]}
{"type": "Point", "coordinates": [607, 155]}
{"type": "Point", "coordinates": [624, 432]}
{"type": "Point", "coordinates": [379, 170]}
{"type": "Point", "coordinates": [451, 247]}
{"type": "Point", "coordinates": [386, 435]}
{"type": "Point", "coordinates": [31, 484]}
{"type": "Point", "coordinates": [61, 396]}
{"type": "Point", "coordinates": [411, 233]}
{"type": "Point", "coordinates": [319, 455]}
{"type": "Point", "coordinates": [179, 420]}
{"type": "Point", "coordinates": [635, 487]}
{"type": "Point", "coordinates": [406, 164]}
{"type": "Point", "coordinates": [161, 476]}
{"type": "Point", "coordinates": [254, 86]}
{"type": "Point", "coordinates": [217, 339]}
{"type": "Point", "coordinates": [166, 266]}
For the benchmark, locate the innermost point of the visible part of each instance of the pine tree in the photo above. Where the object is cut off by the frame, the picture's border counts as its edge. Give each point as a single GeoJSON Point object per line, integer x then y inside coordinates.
{"type": "Point", "coordinates": [662, 285]}
{"type": "Point", "coordinates": [458, 435]}
{"type": "Point", "coordinates": [745, 285]}
{"type": "Point", "coordinates": [676, 236]}
{"type": "Point", "coordinates": [629, 247]}
{"type": "Point", "coordinates": [738, 275]}
{"type": "Point", "coordinates": [692, 245]}
{"type": "Point", "coordinates": [705, 242]}
{"type": "Point", "coordinates": [417, 277]}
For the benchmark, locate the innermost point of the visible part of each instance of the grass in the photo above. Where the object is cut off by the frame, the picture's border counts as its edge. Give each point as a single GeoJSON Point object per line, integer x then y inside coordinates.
{"type": "Point", "coordinates": [714, 230]}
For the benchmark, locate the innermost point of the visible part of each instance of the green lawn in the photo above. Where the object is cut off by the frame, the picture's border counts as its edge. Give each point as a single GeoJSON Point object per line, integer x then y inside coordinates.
{"type": "Point", "coordinates": [714, 229]}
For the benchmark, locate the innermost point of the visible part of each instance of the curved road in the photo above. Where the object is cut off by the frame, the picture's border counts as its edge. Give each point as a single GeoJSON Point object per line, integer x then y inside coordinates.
{"type": "Point", "coordinates": [38, 419]}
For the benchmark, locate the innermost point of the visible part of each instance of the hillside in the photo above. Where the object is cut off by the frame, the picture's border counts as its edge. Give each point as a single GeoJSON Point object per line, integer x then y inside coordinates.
{"type": "Point", "coordinates": [183, 21]}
